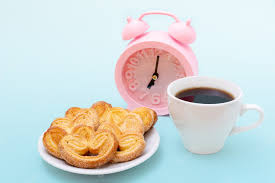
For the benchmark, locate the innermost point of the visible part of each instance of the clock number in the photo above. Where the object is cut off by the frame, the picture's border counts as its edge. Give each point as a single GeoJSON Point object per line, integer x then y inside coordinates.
{"type": "Point", "coordinates": [139, 56]}
{"type": "Point", "coordinates": [134, 85]}
{"type": "Point", "coordinates": [179, 71]}
{"type": "Point", "coordinates": [155, 98]}
{"type": "Point", "coordinates": [130, 74]}
{"type": "Point", "coordinates": [158, 52]}
{"type": "Point", "coordinates": [143, 95]}
{"type": "Point", "coordinates": [151, 52]}
{"type": "Point", "coordinates": [179, 75]}
{"type": "Point", "coordinates": [142, 55]}
{"type": "Point", "coordinates": [143, 52]}
{"type": "Point", "coordinates": [134, 62]}
{"type": "Point", "coordinates": [176, 62]}
{"type": "Point", "coordinates": [176, 65]}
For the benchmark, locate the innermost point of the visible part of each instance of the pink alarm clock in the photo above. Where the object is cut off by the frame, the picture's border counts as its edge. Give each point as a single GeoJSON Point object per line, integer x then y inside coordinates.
{"type": "Point", "coordinates": [152, 60]}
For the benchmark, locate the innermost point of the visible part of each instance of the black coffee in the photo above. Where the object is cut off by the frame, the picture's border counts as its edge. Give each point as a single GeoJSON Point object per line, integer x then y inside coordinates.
{"type": "Point", "coordinates": [204, 95]}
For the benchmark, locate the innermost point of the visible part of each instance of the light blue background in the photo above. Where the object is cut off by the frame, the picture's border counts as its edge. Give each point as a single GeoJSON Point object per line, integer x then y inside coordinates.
{"type": "Point", "coordinates": [60, 53]}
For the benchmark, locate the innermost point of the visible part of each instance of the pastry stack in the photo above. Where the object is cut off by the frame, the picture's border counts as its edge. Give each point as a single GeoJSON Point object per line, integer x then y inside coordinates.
{"type": "Point", "coordinates": [92, 137]}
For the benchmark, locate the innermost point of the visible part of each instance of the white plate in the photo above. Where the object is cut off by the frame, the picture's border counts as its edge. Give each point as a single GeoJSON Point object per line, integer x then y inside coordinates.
{"type": "Point", "coordinates": [152, 143]}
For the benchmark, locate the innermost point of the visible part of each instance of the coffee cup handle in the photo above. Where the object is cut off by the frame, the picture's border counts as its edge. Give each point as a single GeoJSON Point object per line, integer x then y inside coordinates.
{"type": "Point", "coordinates": [245, 108]}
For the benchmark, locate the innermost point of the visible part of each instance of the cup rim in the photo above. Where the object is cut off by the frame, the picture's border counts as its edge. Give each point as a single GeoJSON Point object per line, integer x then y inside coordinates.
{"type": "Point", "coordinates": [204, 105]}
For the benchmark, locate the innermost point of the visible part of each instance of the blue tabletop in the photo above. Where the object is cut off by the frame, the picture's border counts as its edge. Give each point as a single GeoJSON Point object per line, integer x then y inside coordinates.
{"type": "Point", "coordinates": [60, 53]}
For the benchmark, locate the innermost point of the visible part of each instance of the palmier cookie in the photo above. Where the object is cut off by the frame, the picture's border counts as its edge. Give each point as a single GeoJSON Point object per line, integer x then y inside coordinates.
{"type": "Point", "coordinates": [132, 130]}
{"type": "Point", "coordinates": [58, 129]}
{"type": "Point", "coordinates": [72, 112]}
{"type": "Point", "coordinates": [86, 117]}
{"type": "Point", "coordinates": [107, 126]}
{"type": "Point", "coordinates": [132, 122]}
{"type": "Point", "coordinates": [51, 139]}
{"type": "Point", "coordinates": [102, 108]}
{"type": "Point", "coordinates": [83, 131]}
{"type": "Point", "coordinates": [88, 153]}
{"type": "Point", "coordinates": [117, 115]}
{"type": "Point", "coordinates": [148, 116]}
{"type": "Point", "coordinates": [131, 146]}
{"type": "Point", "coordinates": [64, 123]}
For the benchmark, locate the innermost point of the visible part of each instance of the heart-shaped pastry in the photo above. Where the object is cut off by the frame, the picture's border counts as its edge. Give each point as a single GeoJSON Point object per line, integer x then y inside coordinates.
{"type": "Point", "coordinates": [85, 148]}
{"type": "Point", "coordinates": [72, 112]}
{"type": "Point", "coordinates": [102, 108]}
{"type": "Point", "coordinates": [88, 117]}
{"type": "Point", "coordinates": [130, 146]}
{"type": "Point", "coordinates": [148, 116]}
{"type": "Point", "coordinates": [117, 115]}
{"type": "Point", "coordinates": [131, 142]}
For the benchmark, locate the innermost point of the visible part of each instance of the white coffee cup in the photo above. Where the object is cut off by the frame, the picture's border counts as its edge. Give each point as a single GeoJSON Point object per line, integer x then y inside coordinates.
{"type": "Point", "coordinates": [205, 127]}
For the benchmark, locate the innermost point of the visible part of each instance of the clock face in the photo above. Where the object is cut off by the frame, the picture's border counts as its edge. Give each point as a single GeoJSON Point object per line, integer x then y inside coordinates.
{"type": "Point", "coordinates": [147, 73]}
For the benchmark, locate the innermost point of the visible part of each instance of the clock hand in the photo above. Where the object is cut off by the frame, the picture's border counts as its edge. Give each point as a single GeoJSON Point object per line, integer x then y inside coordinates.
{"type": "Point", "coordinates": [157, 64]}
{"type": "Point", "coordinates": [152, 82]}
{"type": "Point", "coordinates": [155, 74]}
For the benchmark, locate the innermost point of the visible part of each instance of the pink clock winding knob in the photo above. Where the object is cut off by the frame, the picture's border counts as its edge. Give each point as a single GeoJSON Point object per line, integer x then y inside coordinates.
{"type": "Point", "coordinates": [183, 32]}
{"type": "Point", "coordinates": [134, 28]}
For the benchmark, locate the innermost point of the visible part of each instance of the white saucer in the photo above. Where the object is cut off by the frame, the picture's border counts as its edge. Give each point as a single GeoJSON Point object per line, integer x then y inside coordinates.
{"type": "Point", "coordinates": [152, 143]}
